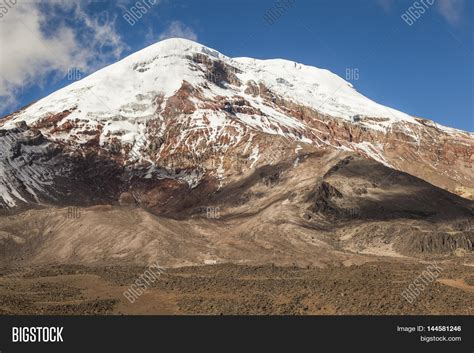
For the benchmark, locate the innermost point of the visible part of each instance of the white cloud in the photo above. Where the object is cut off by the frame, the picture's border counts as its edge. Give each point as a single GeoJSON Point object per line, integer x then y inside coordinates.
{"type": "Point", "coordinates": [385, 4]}
{"type": "Point", "coordinates": [177, 29]}
{"type": "Point", "coordinates": [451, 10]}
{"type": "Point", "coordinates": [150, 36]}
{"type": "Point", "coordinates": [29, 54]}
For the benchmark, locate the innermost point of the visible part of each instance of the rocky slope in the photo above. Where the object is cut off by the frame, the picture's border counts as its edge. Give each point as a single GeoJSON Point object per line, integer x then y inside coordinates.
{"type": "Point", "coordinates": [178, 118]}
{"type": "Point", "coordinates": [332, 207]}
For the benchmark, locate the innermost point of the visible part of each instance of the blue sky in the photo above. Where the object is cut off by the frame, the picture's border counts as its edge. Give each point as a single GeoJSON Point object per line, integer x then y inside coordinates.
{"type": "Point", "coordinates": [424, 69]}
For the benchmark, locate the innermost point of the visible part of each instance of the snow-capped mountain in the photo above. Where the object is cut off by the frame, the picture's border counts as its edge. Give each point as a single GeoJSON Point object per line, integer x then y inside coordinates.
{"type": "Point", "coordinates": [179, 116]}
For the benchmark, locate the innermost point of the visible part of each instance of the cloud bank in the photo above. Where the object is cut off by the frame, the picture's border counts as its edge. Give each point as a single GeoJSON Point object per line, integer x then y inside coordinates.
{"type": "Point", "coordinates": [41, 40]}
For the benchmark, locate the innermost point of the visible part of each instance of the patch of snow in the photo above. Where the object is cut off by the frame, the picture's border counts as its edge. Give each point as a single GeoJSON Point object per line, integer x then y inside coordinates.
{"type": "Point", "coordinates": [372, 152]}
{"type": "Point", "coordinates": [255, 156]}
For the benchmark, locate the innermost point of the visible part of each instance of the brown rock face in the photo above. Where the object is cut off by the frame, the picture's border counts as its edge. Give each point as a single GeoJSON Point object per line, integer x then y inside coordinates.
{"type": "Point", "coordinates": [52, 120]}
{"type": "Point", "coordinates": [180, 103]}
{"type": "Point", "coordinates": [424, 150]}
{"type": "Point", "coordinates": [216, 71]}
{"type": "Point", "coordinates": [324, 196]}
